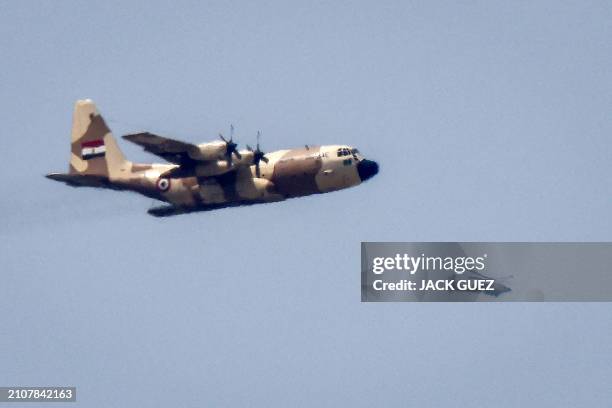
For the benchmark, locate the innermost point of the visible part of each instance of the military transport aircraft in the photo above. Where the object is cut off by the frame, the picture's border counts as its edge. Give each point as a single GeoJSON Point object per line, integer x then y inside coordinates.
{"type": "Point", "coordinates": [209, 175]}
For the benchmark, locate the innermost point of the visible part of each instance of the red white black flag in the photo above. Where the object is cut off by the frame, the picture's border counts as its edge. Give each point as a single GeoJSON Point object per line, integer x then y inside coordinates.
{"type": "Point", "coordinates": [94, 148]}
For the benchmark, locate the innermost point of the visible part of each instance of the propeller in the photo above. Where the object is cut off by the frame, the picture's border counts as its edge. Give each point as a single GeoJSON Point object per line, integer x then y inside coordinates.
{"type": "Point", "coordinates": [258, 155]}
{"type": "Point", "coordinates": [230, 146]}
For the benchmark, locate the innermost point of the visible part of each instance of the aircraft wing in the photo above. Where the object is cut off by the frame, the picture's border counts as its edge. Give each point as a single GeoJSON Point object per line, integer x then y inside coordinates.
{"type": "Point", "coordinates": [190, 157]}
{"type": "Point", "coordinates": [171, 150]}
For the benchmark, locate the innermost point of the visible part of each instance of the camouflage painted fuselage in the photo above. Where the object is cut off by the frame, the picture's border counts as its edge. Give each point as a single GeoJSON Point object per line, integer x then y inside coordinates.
{"type": "Point", "coordinates": [289, 173]}
{"type": "Point", "coordinates": [97, 161]}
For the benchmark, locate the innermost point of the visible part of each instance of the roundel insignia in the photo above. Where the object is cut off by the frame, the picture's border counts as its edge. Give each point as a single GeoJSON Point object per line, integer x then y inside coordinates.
{"type": "Point", "coordinates": [163, 184]}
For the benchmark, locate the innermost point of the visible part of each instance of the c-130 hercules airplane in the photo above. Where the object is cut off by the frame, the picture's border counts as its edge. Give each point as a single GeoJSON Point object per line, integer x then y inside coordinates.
{"type": "Point", "coordinates": [209, 175]}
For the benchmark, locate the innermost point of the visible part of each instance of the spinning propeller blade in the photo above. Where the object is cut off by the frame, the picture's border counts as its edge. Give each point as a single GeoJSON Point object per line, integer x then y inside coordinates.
{"type": "Point", "coordinates": [258, 155]}
{"type": "Point", "coordinates": [230, 146]}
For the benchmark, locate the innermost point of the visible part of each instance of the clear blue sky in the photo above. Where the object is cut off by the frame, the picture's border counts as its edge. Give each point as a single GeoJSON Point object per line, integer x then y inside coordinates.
{"type": "Point", "coordinates": [490, 120]}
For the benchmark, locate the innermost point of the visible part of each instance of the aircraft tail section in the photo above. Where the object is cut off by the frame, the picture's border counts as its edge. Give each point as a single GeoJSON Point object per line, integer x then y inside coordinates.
{"type": "Point", "coordinates": [94, 150]}
{"type": "Point", "coordinates": [83, 180]}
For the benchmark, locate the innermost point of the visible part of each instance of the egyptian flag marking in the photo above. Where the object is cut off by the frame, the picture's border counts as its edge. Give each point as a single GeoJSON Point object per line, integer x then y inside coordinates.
{"type": "Point", "coordinates": [92, 149]}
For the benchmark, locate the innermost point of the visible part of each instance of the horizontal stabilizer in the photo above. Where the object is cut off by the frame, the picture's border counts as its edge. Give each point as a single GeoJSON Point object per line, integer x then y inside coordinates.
{"type": "Point", "coordinates": [82, 180]}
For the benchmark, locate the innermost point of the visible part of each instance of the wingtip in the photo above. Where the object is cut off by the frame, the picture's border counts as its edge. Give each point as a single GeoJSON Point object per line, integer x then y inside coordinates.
{"type": "Point", "coordinates": [53, 176]}
{"type": "Point", "coordinates": [134, 136]}
{"type": "Point", "coordinates": [164, 211]}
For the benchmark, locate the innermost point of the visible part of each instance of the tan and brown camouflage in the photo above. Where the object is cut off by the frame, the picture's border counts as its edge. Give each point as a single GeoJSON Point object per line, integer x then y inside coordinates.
{"type": "Point", "coordinates": [206, 176]}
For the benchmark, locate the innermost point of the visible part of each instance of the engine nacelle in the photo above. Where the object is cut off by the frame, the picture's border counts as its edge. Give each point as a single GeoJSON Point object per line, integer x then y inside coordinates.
{"type": "Point", "coordinates": [218, 167]}
{"type": "Point", "coordinates": [209, 151]}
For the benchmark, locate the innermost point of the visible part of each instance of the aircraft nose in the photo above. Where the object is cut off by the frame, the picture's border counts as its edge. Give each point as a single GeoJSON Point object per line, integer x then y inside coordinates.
{"type": "Point", "coordinates": [367, 169]}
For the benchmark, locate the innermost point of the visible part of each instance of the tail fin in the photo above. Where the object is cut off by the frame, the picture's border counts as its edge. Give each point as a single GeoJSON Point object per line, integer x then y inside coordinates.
{"type": "Point", "coordinates": [94, 149]}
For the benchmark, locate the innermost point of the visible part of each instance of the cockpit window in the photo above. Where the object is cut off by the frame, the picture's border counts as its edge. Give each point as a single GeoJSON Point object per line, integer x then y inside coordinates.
{"type": "Point", "coordinates": [355, 151]}
{"type": "Point", "coordinates": [343, 151]}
